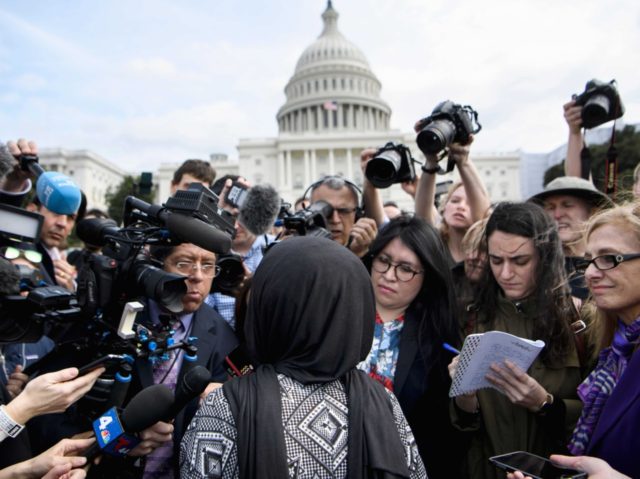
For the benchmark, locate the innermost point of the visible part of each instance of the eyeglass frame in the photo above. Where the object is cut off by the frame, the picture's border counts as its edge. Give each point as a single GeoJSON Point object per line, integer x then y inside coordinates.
{"type": "Point", "coordinates": [196, 265]}
{"type": "Point", "coordinates": [390, 263]}
{"type": "Point", "coordinates": [617, 259]}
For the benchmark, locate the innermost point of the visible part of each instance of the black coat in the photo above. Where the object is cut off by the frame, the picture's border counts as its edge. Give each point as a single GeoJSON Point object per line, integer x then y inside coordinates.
{"type": "Point", "coordinates": [422, 388]}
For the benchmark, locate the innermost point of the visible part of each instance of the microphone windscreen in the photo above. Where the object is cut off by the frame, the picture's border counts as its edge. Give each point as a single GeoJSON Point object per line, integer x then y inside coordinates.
{"type": "Point", "coordinates": [260, 209]}
{"type": "Point", "coordinates": [6, 160]}
{"type": "Point", "coordinates": [192, 230]}
{"type": "Point", "coordinates": [9, 278]}
{"type": "Point", "coordinates": [58, 193]}
{"type": "Point", "coordinates": [147, 408]}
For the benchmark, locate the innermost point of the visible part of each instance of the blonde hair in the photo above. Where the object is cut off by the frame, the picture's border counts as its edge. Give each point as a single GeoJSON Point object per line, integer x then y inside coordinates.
{"type": "Point", "coordinates": [444, 227]}
{"type": "Point", "coordinates": [474, 237]}
{"type": "Point", "coordinates": [627, 218]}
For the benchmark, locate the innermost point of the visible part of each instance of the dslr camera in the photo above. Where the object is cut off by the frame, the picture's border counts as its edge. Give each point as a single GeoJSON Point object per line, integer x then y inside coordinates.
{"type": "Point", "coordinates": [391, 164]}
{"type": "Point", "coordinates": [448, 123]}
{"type": "Point", "coordinates": [311, 221]}
{"type": "Point", "coordinates": [600, 103]}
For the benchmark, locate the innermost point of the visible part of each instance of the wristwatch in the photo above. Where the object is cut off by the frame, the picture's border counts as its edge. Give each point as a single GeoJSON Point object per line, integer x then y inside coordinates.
{"type": "Point", "coordinates": [8, 427]}
{"type": "Point", "coordinates": [546, 405]}
{"type": "Point", "coordinates": [432, 170]}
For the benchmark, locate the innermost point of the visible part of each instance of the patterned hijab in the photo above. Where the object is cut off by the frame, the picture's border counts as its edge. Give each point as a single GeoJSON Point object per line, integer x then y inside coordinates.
{"type": "Point", "coordinates": [596, 389]}
{"type": "Point", "coordinates": [311, 317]}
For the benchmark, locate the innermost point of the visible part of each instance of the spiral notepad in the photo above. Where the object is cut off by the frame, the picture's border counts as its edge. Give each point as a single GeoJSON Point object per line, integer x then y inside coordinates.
{"type": "Point", "coordinates": [479, 351]}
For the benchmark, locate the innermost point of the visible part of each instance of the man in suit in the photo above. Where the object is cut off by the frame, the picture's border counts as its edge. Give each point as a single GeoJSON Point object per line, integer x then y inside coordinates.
{"type": "Point", "coordinates": [215, 339]}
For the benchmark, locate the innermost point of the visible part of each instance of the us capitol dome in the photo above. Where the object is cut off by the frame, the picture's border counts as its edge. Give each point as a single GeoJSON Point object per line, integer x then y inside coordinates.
{"type": "Point", "coordinates": [333, 87]}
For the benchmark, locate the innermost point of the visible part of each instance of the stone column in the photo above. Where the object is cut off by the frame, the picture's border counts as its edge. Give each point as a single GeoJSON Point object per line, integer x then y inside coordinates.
{"type": "Point", "coordinates": [349, 165]}
{"type": "Point", "coordinates": [319, 117]}
{"type": "Point", "coordinates": [332, 162]}
{"type": "Point", "coordinates": [307, 169]}
{"type": "Point", "coordinates": [280, 170]}
{"type": "Point", "coordinates": [287, 160]}
{"type": "Point", "coordinates": [314, 169]}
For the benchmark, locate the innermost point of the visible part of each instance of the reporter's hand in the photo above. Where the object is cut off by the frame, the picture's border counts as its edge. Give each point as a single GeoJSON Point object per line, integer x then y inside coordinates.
{"type": "Point", "coordinates": [365, 156]}
{"type": "Point", "coordinates": [64, 456]}
{"type": "Point", "coordinates": [460, 153]}
{"type": "Point", "coordinates": [517, 385]}
{"type": "Point", "coordinates": [573, 116]}
{"type": "Point", "coordinates": [222, 199]}
{"type": "Point", "coordinates": [152, 438]}
{"type": "Point", "coordinates": [362, 234]}
{"type": "Point", "coordinates": [65, 274]}
{"type": "Point", "coordinates": [16, 382]}
{"type": "Point", "coordinates": [467, 402]}
{"type": "Point", "coordinates": [51, 393]}
{"type": "Point", "coordinates": [15, 181]}
{"type": "Point", "coordinates": [410, 187]}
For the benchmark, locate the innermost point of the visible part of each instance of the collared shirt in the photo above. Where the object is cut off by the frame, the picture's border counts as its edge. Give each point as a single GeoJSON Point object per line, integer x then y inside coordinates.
{"type": "Point", "coordinates": [383, 358]}
{"type": "Point", "coordinates": [226, 305]}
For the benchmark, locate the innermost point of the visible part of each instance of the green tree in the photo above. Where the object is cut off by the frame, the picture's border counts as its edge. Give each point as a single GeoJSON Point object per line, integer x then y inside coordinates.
{"type": "Point", "coordinates": [627, 145]}
{"type": "Point", "coordinates": [115, 198]}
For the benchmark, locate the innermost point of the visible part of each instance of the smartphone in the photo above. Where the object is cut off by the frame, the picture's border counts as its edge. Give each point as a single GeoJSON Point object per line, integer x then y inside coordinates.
{"type": "Point", "coordinates": [534, 466]}
{"type": "Point", "coordinates": [238, 362]}
{"type": "Point", "coordinates": [236, 195]}
{"type": "Point", "coordinates": [100, 362]}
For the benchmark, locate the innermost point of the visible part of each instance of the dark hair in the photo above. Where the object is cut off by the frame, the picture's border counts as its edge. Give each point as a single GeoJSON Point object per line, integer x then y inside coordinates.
{"type": "Point", "coordinates": [554, 310]}
{"type": "Point", "coordinates": [200, 169]}
{"type": "Point", "coordinates": [435, 303]}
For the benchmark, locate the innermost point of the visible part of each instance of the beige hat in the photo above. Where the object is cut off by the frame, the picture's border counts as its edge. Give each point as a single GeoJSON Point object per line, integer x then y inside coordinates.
{"type": "Point", "coordinates": [573, 186]}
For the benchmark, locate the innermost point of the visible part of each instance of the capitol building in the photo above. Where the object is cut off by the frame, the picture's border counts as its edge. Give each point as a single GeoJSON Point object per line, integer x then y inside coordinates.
{"type": "Point", "coordinates": [334, 108]}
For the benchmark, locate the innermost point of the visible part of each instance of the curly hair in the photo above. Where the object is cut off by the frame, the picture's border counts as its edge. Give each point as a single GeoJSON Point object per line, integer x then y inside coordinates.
{"type": "Point", "coordinates": [554, 308]}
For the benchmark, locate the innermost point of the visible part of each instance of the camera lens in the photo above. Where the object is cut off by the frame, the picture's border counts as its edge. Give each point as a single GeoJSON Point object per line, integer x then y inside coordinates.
{"type": "Point", "coordinates": [595, 111]}
{"type": "Point", "coordinates": [382, 170]}
{"type": "Point", "coordinates": [165, 288]}
{"type": "Point", "coordinates": [436, 136]}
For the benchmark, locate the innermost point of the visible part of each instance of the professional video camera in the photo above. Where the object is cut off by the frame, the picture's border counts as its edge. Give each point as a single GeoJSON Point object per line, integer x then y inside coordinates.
{"type": "Point", "coordinates": [448, 123]}
{"type": "Point", "coordinates": [600, 103]}
{"type": "Point", "coordinates": [311, 221]}
{"type": "Point", "coordinates": [391, 164]}
{"type": "Point", "coordinates": [111, 286]}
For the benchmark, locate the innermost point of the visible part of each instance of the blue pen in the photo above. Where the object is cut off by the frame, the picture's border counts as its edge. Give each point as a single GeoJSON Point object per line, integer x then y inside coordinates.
{"type": "Point", "coordinates": [450, 348]}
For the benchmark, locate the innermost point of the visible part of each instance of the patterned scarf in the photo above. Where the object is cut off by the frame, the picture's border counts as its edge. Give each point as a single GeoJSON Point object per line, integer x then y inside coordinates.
{"type": "Point", "coordinates": [596, 389]}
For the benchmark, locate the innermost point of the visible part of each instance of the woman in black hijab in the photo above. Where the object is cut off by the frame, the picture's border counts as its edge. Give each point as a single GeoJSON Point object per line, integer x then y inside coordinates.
{"type": "Point", "coordinates": [305, 411]}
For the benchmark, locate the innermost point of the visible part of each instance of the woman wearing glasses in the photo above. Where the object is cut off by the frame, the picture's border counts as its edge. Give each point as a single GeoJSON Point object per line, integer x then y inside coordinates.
{"type": "Point", "coordinates": [414, 316]}
{"type": "Point", "coordinates": [611, 394]}
{"type": "Point", "coordinates": [523, 292]}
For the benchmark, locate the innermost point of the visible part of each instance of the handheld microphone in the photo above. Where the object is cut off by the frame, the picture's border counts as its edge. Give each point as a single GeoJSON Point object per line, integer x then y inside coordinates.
{"type": "Point", "coordinates": [193, 383]}
{"type": "Point", "coordinates": [260, 209]}
{"type": "Point", "coordinates": [115, 433]}
{"type": "Point", "coordinates": [56, 192]}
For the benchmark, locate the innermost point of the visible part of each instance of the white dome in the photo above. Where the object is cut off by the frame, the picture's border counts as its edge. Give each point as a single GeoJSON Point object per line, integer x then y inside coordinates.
{"type": "Point", "coordinates": [332, 87]}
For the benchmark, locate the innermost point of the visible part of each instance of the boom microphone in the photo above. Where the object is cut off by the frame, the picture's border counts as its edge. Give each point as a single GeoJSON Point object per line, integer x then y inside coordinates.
{"type": "Point", "coordinates": [192, 230]}
{"type": "Point", "coordinates": [260, 209]}
{"type": "Point", "coordinates": [7, 161]}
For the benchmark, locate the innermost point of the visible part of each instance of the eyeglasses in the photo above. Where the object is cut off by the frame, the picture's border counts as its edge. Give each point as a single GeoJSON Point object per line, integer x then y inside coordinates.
{"type": "Point", "coordinates": [605, 261]}
{"type": "Point", "coordinates": [9, 252]}
{"type": "Point", "coordinates": [403, 271]}
{"type": "Point", "coordinates": [189, 268]}
{"type": "Point", "coordinates": [342, 211]}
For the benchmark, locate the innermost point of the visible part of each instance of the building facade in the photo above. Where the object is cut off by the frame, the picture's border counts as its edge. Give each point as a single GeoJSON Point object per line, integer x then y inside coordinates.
{"type": "Point", "coordinates": [333, 110]}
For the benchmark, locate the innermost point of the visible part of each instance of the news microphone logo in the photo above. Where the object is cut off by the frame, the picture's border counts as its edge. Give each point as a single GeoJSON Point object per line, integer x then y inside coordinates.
{"type": "Point", "coordinates": [111, 436]}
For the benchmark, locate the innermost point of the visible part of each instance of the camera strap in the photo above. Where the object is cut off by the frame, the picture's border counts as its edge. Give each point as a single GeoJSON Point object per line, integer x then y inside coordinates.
{"type": "Point", "coordinates": [611, 167]}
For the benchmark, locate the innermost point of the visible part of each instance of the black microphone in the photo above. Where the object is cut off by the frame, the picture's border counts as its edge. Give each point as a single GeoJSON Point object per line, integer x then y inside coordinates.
{"type": "Point", "coordinates": [192, 230]}
{"type": "Point", "coordinates": [260, 209]}
{"type": "Point", "coordinates": [193, 383]}
{"type": "Point", "coordinates": [115, 433]}
{"type": "Point", "coordinates": [95, 230]}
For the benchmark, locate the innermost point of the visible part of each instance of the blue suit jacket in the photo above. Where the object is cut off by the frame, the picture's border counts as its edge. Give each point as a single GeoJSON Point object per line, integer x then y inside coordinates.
{"type": "Point", "coordinates": [616, 438]}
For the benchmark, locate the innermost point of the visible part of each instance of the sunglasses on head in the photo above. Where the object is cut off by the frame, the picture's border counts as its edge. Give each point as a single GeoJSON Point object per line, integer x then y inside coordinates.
{"type": "Point", "coordinates": [10, 252]}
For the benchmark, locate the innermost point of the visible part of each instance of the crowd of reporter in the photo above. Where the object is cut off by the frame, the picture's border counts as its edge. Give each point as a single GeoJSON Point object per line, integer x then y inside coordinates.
{"type": "Point", "coordinates": [358, 328]}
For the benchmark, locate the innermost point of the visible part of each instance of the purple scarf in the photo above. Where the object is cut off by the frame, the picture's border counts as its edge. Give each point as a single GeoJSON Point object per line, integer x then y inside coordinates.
{"type": "Point", "coordinates": [596, 389]}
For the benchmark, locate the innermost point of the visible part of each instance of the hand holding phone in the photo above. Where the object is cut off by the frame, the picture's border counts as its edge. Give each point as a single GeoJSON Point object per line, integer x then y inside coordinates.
{"type": "Point", "coordinates": [534, 466]}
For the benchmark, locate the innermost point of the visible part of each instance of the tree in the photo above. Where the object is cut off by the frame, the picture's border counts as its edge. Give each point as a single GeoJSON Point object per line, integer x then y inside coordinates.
{"type": "Point", "coordinates": [628, 147]}
{"type": "Point", "coordinates": [115, 199]}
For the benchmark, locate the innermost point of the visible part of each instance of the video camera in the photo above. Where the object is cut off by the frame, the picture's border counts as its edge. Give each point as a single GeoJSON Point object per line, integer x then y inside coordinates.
{"type": "Point", "coordinates": [311, 221]}
{"type": "Point", "coordinates": [391, 164]}
{"type": "Point", "coordinates": [448, 123]}
{"type": "Point", "coordinates": [600, 103]}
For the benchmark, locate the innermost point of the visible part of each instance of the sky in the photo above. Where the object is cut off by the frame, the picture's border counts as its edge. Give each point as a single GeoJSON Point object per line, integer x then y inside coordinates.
{"type": "Point", "coordinates": [156, 81]}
